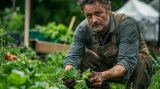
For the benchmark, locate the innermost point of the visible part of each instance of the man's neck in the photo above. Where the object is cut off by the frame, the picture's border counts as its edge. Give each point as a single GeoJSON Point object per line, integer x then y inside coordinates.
{"type": "Point", "coordinates": [106, 30]}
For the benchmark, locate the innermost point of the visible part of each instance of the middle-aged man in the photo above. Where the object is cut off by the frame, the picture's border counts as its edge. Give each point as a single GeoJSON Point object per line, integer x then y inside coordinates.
{"type": "Point", "coordinates": [111, 46]}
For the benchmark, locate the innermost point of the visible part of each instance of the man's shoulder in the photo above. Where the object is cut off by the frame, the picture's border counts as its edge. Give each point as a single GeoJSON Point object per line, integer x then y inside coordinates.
{"type": "Point", "coordinates": [128, 21]}
{"type": "Point", "coordinates": [122, 16]}
{"type": "Point", "coordinates": [83, 26]}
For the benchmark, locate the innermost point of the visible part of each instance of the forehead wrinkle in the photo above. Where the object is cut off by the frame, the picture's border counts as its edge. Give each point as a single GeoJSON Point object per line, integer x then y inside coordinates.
{"type": "Point", "coordinates": [92, 7]}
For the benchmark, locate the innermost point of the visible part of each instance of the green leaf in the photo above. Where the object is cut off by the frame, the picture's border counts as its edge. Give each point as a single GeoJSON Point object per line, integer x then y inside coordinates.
{"type": "Point", "coordinates": [72, 73]}
{"type": "Point", "coordinates": [17, 78]}
{"type": "Point", "coordinates": [80, 84]}
{"type": "Point", "coordinates": [86, 74]}
{"type": "Point", "coordinates": [3, 82]}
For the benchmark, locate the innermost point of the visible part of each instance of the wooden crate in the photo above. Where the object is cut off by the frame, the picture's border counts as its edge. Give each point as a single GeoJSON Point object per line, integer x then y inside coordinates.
{"type": "Point", "coordinates": [48, 47]}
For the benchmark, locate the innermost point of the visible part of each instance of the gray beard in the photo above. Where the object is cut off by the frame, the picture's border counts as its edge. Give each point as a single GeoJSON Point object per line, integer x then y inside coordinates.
{"type": "Point", "coordinates": [95, 30]}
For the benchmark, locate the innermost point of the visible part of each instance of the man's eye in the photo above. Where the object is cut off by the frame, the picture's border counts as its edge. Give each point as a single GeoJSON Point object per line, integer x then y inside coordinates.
{"type": "Point", "coordinates": [98, 14]}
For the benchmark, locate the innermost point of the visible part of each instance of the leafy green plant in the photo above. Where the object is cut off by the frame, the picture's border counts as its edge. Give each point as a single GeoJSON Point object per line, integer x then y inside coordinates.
{"type": "Point", "coordinates": [55, 58]}
{"type": "Point", "coordinates": [155, 79]}
{"type": "Point", "coordinates": [80, 79]}
{"type": "Point", "coordinates": [27, 51]}
{"type": "Point", "coordinates": [156, 61]}
{"type": "Point", "coordinates": [35, 74]}
{"type": "Point", "coordinates": [57, 33]}
{"type": "Point", "coordinates": [5, 42]}
{"type": "Point", "coordinates": [30, 74]}
{"type": "Point", "coordinates": [117, 86]}
{"type": "Point", "coordinates": [17, 78]}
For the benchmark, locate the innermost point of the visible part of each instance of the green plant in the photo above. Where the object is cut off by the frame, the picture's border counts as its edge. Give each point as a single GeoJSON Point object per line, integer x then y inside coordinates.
{"type": "Point", "coordinates": [35, 74]}
{"type": "Point", "coordinates": [78, 77]}
{"type": "Point", "coordinates": [5, 42]}
{"type": "Point", "coordinates": [27, 51]}
{"type": "Point", "coordinates": [117, 86]}
{"type": "Point", "coordinates": [55, 58]}
{"type": "Point", "coordinates": [155, 79]}
{"type": "Point", "coordinates": [57, 33]}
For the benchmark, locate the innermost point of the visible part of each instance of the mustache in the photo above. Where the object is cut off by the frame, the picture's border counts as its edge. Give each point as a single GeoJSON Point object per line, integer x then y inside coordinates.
{"type": "Point", "coordinates": [96, 24]}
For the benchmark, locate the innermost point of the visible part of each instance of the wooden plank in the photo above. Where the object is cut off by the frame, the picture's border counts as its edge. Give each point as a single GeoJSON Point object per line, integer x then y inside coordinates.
{"type": "Point", "coordinates": [27, 22]}
{"type": "Point", "coordinates": [72, 22]}
{"type": "Point", "coordinates": [48, 47]}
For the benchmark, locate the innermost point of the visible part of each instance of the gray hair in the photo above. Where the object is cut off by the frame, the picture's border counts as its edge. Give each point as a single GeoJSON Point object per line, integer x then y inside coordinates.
{"type": "Point", "coordinates": [82, 3]}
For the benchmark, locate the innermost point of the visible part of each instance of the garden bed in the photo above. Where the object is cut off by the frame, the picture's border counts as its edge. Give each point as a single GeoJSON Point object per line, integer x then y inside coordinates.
{"type": "Point", "coordinates": [48, 47]}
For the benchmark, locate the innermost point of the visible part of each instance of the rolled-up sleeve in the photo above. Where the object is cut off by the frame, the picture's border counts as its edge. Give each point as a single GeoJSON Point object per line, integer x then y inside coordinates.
{"type": "Point", "coordinates": [128, 46]}
{"type": "Point", "coordinates": [76, 51]}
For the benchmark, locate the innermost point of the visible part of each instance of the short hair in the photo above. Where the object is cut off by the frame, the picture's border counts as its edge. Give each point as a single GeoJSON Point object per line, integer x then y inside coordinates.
{"type": "Point", "coordinates": [82, 3]}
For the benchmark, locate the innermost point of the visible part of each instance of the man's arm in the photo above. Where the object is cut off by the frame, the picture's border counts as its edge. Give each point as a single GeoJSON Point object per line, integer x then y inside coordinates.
{"type": "Point", "coordinates": [116, 71]}
{"type": "Point", "coordinates": [128, 49]}
{"type": "Point", "coordinates": [97, 78]}
{"type": "Point", "coordinates": [75, 53]}
{"type": "Point", "coordinates": [128, 46]}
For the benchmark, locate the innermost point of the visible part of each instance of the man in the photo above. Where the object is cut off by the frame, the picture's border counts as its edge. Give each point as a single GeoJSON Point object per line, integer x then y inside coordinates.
{"type": "Point", "coordinates": [109, 47]}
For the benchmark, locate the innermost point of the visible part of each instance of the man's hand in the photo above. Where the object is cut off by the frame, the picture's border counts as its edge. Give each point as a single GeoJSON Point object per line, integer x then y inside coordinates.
{"type": "Point", "coordinates": [68, 67]}
{"type": "Point", "coordinates": [96, 79]}
{"type": "Point", "coordinates": [69, 83]}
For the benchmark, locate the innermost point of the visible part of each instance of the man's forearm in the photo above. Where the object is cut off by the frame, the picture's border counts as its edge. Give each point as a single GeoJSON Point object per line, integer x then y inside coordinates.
{"type": "Point", "coordinates": [115, 72]}
{"type": "Point", "coordinates": [68, 67]}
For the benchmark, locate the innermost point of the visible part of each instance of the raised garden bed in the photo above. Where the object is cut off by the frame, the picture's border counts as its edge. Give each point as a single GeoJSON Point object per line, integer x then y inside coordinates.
{"type": "Point", "coordinates": [48, 47]}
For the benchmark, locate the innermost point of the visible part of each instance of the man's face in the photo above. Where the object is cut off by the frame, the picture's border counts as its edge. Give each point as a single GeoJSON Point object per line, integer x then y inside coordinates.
{"type": "Point", "coordinates": [97, 16]}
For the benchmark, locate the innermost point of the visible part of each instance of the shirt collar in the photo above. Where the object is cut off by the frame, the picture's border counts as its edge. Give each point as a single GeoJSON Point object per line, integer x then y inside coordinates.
{"type": "Point", "coordinates": [112, 24]}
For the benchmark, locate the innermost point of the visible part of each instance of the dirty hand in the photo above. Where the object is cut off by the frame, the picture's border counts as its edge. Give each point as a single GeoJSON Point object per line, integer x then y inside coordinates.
{"type": "Point", "coordinates": [96, 79]}
{"type": "Point", "coordinates": [70, 83]}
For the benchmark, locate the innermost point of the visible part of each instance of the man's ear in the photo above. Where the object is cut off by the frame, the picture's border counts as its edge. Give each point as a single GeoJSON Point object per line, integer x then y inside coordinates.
{"type": "Point", "coordinates": [109, 9]}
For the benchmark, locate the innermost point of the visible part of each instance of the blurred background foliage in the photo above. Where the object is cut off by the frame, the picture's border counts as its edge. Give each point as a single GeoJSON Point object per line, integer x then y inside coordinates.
{"type": "Point", "coordinates": [44, 11]}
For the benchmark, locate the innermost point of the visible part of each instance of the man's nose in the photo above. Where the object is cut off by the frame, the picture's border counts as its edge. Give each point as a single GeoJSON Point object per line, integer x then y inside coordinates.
{"type": "Point", "coordinates": [94, 19]}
